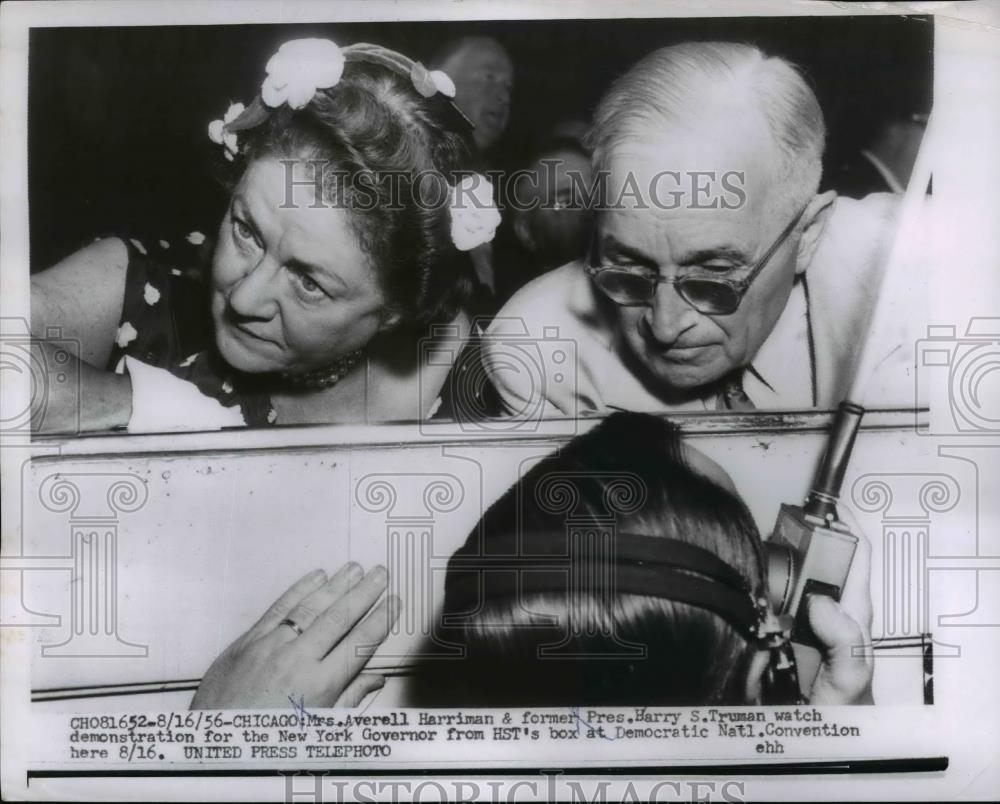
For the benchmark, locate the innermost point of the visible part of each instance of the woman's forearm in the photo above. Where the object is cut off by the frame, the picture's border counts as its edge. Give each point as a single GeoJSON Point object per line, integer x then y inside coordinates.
{"type": "Point", "coordinates": [81, 298]}
{"type": "Point", "coordinates": [74, 396]}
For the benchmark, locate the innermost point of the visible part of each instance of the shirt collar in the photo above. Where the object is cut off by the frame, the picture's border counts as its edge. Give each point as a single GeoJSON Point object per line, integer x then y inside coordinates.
{"type": "Point", "coordinates": [780, 375]}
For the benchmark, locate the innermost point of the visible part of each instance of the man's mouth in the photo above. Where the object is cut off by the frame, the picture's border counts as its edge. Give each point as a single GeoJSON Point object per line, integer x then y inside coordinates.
{"type": "Point", "coordinates": [680, 354]}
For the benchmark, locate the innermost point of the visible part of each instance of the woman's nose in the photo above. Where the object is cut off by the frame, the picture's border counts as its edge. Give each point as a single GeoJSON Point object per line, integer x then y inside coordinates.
{"type": "Point", "coordinates": [668, 315]}
{"type": "Point", "coordinates": [253, 294]}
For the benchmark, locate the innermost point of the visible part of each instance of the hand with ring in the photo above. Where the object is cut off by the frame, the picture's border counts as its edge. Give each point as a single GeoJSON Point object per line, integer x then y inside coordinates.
{"type": "Point", "coordinates": [309, 648]}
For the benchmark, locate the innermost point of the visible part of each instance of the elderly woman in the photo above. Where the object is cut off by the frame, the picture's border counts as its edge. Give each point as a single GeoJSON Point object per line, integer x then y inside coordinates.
{"type": "Point", "coordinates": [353, 204]}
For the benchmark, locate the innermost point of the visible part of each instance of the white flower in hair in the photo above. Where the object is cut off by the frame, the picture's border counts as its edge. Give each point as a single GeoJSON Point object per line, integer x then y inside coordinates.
{"type": "Point", "coordinates": [298, 69]}
{"type": "Point", "coordinates": [217, 130]}
{"type": "Point", "coordinates": [474, 216]}
{"type": "Point", "coordinates": [443, 83]}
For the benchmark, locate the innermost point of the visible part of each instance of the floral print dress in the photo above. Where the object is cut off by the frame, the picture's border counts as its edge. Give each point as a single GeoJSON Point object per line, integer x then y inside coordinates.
{"type": "Point", "coordinates": [166, 322]}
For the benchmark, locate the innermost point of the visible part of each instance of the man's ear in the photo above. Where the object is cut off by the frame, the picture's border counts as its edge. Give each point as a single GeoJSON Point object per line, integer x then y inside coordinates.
{"type": "Point", "coordinates": [815, 218]}
{"type": "Point", "coordinates": [758, 664]}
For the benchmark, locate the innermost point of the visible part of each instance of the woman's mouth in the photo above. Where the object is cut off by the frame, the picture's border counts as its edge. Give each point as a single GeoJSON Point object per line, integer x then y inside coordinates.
{"type": "Point", "coordinates": [245, 333]}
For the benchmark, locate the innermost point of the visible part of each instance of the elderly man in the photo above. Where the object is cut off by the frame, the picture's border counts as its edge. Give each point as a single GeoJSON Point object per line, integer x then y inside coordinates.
{"type": "Point", "coordinates": [483, 76]}
{"type": "Point", "coordinates": [718, 278]}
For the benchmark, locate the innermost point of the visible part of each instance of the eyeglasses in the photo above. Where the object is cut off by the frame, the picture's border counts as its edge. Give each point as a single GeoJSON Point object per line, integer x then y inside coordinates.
{"type": "Point", "coordinates": [711, 295]}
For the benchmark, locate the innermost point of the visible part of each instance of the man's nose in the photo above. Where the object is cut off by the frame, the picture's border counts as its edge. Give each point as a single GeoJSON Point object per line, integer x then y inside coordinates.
{"type": "Point", "coordinates": [253, 295]}
{"type": "Point", "coordinates": [668, 315]}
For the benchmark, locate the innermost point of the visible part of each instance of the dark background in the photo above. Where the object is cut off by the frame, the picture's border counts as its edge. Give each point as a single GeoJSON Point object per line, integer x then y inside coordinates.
{"type": "Point", "coordinates": [118, 116]}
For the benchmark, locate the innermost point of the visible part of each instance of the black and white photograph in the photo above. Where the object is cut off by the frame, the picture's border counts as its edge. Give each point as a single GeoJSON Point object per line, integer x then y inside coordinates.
{"type": "Point", "coordinates": [429, 400]}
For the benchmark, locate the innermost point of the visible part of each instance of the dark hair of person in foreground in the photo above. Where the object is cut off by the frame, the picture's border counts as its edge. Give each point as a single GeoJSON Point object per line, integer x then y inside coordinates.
{"type": "Point", "coordinates": [572, 646]}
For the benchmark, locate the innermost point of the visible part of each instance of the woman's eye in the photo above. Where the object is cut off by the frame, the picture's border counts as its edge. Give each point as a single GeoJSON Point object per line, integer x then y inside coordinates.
{"type": "Point", "coordinates": [243, 231]}
{"type": "Point", "coordinates": [307, 285]}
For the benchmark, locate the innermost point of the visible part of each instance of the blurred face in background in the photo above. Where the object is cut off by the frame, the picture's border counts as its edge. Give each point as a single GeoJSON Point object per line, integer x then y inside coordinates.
{"type": "Point", "coordinates": [557, 230]}
{"type": "Point", "coordinates": [483, 76]}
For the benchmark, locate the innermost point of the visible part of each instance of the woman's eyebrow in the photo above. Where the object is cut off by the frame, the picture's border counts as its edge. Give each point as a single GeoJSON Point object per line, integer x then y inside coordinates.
{"type": "Point", "coordinates": [245, 211]}
{"type": "Point", "coordinates": [319, 273]}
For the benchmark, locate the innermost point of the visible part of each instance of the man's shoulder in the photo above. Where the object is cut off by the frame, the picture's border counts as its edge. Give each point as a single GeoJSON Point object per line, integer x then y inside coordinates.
{"type": "Point", "coordinates": [846, 280]}
{"type": "Point", "coordinates": [559, 312]}
{"type": "Point", "coordinates": [882, 203]}
{"type": "Point", "coordinates": [562, 297]}
{"type": "Point", "coordinates": [858, 233]}
{"type": "Point", "coordinates": [874, 210]}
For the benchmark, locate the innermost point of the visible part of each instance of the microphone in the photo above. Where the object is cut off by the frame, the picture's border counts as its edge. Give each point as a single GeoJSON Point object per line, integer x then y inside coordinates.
{"type": "Point", "coordinates": [811, 549]}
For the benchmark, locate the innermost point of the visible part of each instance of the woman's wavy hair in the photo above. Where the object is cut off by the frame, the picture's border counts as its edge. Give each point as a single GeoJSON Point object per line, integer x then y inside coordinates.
{"type": "Point", "coordinates": [373, 137]}
{"type": "Point", "coordinates": [691, 655]}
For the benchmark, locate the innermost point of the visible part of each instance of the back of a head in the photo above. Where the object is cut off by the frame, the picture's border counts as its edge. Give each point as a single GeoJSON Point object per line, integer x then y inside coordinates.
{"type": "Point", "coordinates": [600, 649]}
{"type": "Point", "coordinates": [685, 85]}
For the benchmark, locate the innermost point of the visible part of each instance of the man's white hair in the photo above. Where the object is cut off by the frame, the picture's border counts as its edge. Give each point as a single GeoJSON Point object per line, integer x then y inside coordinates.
{"type": "Point", "coordinates": [687, 82]}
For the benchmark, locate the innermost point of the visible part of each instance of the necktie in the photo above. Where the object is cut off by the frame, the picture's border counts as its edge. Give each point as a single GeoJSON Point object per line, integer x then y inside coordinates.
{"type": "Point", "coordinates": [731, 393]}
